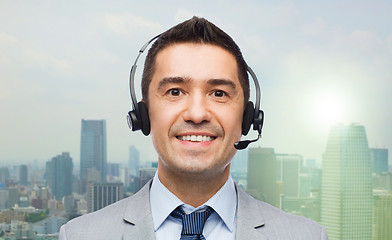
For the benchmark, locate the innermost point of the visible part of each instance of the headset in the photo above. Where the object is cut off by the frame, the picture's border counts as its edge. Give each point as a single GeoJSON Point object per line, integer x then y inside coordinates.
{"type": "Point", "coordinates": [138, 118]}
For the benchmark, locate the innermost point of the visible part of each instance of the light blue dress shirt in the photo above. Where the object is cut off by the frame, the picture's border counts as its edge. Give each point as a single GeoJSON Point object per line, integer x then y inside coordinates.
{"type": "Point", "coordinates": [220, 225]}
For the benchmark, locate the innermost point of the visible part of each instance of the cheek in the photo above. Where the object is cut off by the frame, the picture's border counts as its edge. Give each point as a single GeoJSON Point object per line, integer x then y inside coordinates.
{"type": "Point", "coordinates": [161, 118]}
{"type": "Point", "coordinates": [231, 123]}
{"type": "Point", "coordinates": [156, 119]}
{"type": "Point", "coordinates": [159, 127]}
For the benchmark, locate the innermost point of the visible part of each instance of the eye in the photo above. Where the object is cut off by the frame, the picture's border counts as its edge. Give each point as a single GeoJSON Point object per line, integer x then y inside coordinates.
{"type": "Point", "coordinates": [219, 93]}
{"type": "Point", "coordinates": [175, 92]}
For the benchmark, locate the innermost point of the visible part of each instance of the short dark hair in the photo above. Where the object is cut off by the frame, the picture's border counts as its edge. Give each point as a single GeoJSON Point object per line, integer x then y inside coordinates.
{"type": "Point", "coordinates": [195, 30]}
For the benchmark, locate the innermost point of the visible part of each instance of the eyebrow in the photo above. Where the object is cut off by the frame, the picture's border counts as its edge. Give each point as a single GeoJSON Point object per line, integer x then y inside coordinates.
{"type": "Point", "coordinates": [181, 80]}
{"type": "Point", "coordinates": [169, 80]}
{"type": "Point", "coordinates": [222, 82]}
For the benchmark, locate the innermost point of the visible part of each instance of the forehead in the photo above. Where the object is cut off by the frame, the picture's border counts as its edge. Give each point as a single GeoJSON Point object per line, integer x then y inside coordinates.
{"type": "Point", "coordinates": [196, 61]}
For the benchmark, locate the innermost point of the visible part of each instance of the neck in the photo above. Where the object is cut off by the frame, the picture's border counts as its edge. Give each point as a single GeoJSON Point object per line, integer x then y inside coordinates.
{"type": "Point", "coordinates": [193, 189]}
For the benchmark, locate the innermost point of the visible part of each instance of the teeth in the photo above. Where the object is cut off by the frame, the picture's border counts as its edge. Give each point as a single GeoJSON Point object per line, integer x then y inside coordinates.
{"type": "Point", "coordinates": [195, 138]}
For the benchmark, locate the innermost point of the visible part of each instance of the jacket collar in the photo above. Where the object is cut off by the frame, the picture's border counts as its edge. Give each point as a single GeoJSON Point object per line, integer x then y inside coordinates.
{"type": "Point", "coordinates": [138, 214]}
{"type": "Point", "coordinates": [250, 220]}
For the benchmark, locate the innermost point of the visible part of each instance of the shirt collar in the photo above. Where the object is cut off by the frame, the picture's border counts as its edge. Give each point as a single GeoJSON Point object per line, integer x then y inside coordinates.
{"type": "Point", "coordinates": [163, 202]}
{"type": "Point", "coordinates": [224, 202]}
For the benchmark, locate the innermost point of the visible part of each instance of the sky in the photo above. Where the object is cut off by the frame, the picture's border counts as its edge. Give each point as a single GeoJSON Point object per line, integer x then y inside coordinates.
{"type": "Point", "coordinates": [318, 63]}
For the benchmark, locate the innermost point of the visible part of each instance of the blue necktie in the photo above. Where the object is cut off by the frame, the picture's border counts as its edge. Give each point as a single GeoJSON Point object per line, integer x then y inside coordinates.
{"type": "Point", "coordinates": [192, 224]}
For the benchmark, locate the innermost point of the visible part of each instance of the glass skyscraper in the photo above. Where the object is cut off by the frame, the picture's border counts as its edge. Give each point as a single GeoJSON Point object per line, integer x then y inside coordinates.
{"type": "Point", "coordinates": [379, 160]}
{"type": "Point", "coordinates": [92, 149]}
{"type": "Point", "coordinates": [346, 202]}
{"type": "Point", "coordinates": [288, 168]}
{"type": "Point", "coordinates": [261, 175]}
{"type": "Point", "coordinates": [382, 214]}
{"type": "Point", "coordinates": [134, 160]}
{"type": "Point", "coordinates": [59, 175]}
{"type": "Point", "coordinates": [23, 175]}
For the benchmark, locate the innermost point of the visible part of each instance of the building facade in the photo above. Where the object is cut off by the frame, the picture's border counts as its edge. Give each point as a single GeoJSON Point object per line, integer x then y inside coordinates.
{"type": "Point", "coordinates": [288, 172]}
{"type": "Point", "coordinates": [382, 214]}
{"type": "Point", "coordinates": [99, 195]}
{"type": "Point", "coordinates": [93, 149]}
{"type": "Point", "coordinates": [145, 174]}
{"type": "Point", "coordinates": [133, 161]}
{"type": "Point", "coordinates": [379, 159]}
{"type": "Point", "coordinates": [262, 175]}
{"type": "Point", "coordinates": [346, 202]}
{"type": "Point", "coordinates": [59, 175]}
{"type": "Point", "coordinates": [23, 175]}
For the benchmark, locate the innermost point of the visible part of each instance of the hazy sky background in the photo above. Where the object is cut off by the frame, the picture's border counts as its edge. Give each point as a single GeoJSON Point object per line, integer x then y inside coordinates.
{"type": "Point", "coordinates": [317, 61]}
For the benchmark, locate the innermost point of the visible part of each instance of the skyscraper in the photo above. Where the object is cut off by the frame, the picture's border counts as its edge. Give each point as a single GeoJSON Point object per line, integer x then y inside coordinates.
{"type": "Point", "coordinates": [99, 195]}
{"type": "Point", "coordinates": [379, 159]}
{"type": "Point", "coordinates": [4, 175]}
{"type": "Point", "coordinates": [261, 174]}
{"type": "Point", "coordinates": [134, 161]}
{"type": "Point", "coordinates": [113, 169]}
{"type": "Point", "coordinates": [124, 176]}
{"type": "Point", "coordinates": [239, 168]}
{"type": "Point", "coordinates": [239, 163]}
{"type": "Point", "coordinates": [145, 174]}
{"type": "Point", "coordinates": [23, 175]}
{"type": "Point", "coordinates": [382, 214]}
{"type": "Point", "coordinates": [346, 202]}
{"type": "Point", "coordinates": [59, 175]}
{"type": "Point", "coordinates": [92, 149]}
{"type": "Point", "coordinates": [288, 172]}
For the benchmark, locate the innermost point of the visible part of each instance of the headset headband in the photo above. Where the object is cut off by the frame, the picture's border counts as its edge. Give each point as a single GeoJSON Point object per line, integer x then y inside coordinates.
{"type": "Point", "coordinates": [133, 71]}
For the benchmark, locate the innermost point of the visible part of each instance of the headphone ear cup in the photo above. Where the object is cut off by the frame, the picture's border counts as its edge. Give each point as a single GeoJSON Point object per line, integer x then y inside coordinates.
{"type": "Point", "coordinates": [133, 121]}
{"type": "Point", "coordinates": [247, 119]}
{"type": "Point", "coordinates": [144, 119]}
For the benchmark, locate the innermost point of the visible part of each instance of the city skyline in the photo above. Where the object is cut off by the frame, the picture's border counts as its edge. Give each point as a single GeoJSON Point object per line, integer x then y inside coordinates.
{"type": "Point", "coordinates": [317, 63]}
{"type": "Point", "coordinates": [350, 196]}
{"type": "Point", "coordinates": [143, 160]}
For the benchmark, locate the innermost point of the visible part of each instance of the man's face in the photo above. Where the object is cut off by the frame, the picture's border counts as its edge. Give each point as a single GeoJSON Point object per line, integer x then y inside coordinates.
{"type": "Point", "coordinates": [196, 105]}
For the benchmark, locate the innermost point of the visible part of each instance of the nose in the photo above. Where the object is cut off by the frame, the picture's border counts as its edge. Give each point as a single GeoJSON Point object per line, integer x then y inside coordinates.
{"type": "Point", "coordinates": [197, 109]}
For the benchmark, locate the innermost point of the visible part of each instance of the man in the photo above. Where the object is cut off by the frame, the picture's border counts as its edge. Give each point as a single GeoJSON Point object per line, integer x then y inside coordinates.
{"type": "Point", "coordinates": [196, 89]}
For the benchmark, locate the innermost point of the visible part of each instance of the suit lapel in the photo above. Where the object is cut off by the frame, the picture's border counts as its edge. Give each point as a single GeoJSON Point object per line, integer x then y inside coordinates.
{"type": "Point", "coordinates": [250, 221]}
{"type": "Point", "coordinates": [138, 216]}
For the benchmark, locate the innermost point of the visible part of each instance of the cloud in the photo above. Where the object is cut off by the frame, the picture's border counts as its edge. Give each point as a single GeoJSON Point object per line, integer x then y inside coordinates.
{"type": "Point", "coordinates": [16, 51]}
{"type": "Point", "coordinates": [315, 28]}
{"type": "Point", "coordinates": [125, 24]}
{"type": "Point", "coordinates": [273, 15]}
{"type": "Point", "coordinates": [6, 40]}
{"type": "Point", "coordinates": [258, 49]}
{"type": "Point", "coordinates": [42, 59]}
{"type": "Point", "coordinates": [389, 43]}
{"type": "Point", "coordinates": [183, 14]}
{"type": "Point", "coordinates": [361, 41]}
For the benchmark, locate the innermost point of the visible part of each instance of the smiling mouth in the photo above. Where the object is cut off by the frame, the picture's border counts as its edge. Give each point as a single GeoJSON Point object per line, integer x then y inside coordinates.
{"type": "Point", "coordinates": [196, 138]}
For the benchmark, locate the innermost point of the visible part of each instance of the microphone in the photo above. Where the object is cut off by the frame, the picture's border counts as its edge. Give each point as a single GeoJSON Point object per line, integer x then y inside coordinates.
{"type": "Point", "coordinates": [240, 145]}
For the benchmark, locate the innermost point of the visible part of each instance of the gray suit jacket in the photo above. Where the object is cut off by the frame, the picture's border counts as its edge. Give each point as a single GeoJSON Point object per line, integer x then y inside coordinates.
{"type": "Point", "coordinates": [131, 219]}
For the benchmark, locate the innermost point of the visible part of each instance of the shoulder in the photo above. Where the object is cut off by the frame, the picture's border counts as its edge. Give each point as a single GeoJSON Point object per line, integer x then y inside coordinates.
{"type": "Point", "coordinates": [275, 223]}
{"type": "Point", "coordinates": [100, 223]}
{"type": "Point", "coordinates": [109, 222]}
